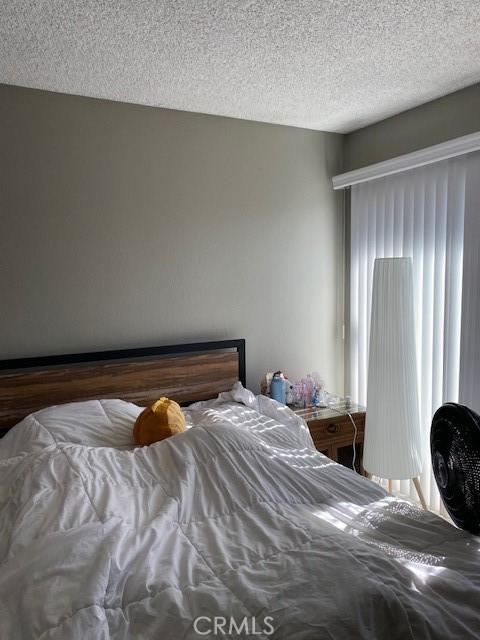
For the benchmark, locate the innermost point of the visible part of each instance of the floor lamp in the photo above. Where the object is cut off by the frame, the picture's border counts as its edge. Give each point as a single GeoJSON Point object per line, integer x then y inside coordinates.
{"type": "Point", "coordinates": [392, 448]}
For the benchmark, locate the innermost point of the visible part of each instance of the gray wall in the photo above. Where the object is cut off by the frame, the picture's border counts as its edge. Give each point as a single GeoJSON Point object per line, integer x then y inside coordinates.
{"type": "Point", "coordinates": [125, 225]}
{"type": "Point", "coordinates": [454, 115]}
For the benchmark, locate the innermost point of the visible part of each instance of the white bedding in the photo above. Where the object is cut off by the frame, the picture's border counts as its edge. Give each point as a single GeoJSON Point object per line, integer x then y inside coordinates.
{"type": "Point", "coordinates": [238, 517]}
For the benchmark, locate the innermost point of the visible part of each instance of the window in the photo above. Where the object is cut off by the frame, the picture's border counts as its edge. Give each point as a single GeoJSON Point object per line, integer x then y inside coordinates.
{"type": "Point", "coordinates": [423, 213]}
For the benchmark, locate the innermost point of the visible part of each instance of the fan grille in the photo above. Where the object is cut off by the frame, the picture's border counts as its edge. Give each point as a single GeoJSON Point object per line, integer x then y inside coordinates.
{"type": "Point", "coordinates": [455, 448]}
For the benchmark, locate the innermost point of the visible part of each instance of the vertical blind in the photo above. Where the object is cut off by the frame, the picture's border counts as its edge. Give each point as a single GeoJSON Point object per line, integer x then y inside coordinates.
{"type": "Point", "coordinates": [419, 214]}
{"type": "Point", "coordinates": [470, 343]}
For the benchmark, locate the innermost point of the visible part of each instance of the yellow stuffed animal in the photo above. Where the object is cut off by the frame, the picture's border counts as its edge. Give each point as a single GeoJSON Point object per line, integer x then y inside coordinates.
{"type": "Point", "coordinates": [162, 419]}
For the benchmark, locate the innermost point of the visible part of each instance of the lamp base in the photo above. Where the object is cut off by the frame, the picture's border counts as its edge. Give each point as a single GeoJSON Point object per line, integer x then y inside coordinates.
{"type": "Point", "coordinates": [418, 489]}
{"type": "Point", "coordinates": [416, 482]}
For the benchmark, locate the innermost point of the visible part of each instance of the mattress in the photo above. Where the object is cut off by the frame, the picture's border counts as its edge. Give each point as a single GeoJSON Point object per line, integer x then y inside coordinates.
{"type": "Point", "coordinates": [237, 526]}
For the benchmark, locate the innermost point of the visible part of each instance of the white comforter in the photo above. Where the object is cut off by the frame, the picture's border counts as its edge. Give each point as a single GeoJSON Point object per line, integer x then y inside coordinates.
{"type": "Point", "coordinates": [238, 518]}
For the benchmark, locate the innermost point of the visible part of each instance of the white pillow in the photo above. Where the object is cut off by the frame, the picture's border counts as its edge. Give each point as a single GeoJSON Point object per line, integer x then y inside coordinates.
{"type": "Point", "coordinates": [94, 423]}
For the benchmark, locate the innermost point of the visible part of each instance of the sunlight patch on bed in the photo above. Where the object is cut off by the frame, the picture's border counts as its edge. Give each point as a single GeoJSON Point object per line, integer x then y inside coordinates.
{"type": "Point", "coordinates": [247, 418]}
{"type": "Point", "coordinates": [423, 572]}
{"type": "Point", "coordinates": [348, 514]}
{"type": "Point", "coordinates": [294, 457]}
{"type": "Point", "coordinates": [351, 518]}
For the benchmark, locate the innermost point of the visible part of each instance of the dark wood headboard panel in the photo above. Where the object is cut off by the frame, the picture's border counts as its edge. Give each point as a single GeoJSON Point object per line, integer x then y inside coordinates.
{"type": "Point", "coordinates": [185, 373]}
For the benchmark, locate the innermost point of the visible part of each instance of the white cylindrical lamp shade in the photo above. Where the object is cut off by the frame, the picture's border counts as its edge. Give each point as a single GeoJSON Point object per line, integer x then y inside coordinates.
{"type": "Point", "coordinates": [392, 447]}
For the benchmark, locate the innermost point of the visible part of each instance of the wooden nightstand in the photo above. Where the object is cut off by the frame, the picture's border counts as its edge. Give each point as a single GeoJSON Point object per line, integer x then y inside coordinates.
{"type": "Point", "coordinates": [333, 433]}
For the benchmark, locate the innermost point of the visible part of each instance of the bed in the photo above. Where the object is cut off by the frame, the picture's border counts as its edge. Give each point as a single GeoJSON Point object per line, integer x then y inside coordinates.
{"type": "Point", "coordinates": [236, 528]}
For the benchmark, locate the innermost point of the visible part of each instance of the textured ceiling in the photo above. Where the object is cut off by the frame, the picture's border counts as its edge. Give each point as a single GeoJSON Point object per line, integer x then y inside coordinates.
{"type": "Point", "coordinates": [332, 65]}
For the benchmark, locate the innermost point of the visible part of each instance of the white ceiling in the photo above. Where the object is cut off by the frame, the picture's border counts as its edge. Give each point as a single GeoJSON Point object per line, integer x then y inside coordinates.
{"type": "Point", "coordinates": [334, 65]}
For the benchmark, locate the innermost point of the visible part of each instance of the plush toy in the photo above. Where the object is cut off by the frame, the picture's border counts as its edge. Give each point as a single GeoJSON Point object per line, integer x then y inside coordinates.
{"type": "Point", "coordinates": [162, 419]}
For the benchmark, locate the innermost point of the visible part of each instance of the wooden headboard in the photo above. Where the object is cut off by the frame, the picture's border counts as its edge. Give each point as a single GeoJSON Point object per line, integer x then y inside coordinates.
{"type": "Point", "coordinates": [185, 373]}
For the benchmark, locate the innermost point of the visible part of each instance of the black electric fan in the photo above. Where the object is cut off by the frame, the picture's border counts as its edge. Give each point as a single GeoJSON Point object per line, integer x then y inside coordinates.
{"type": "Point", "coordinates": [455, 448]}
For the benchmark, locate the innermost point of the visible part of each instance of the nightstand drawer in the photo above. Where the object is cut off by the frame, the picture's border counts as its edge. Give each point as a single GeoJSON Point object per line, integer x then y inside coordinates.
{"type": "Point", "coordinates": [323, 432]}
{"type": "Point", "coordinates": [332, 432]}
